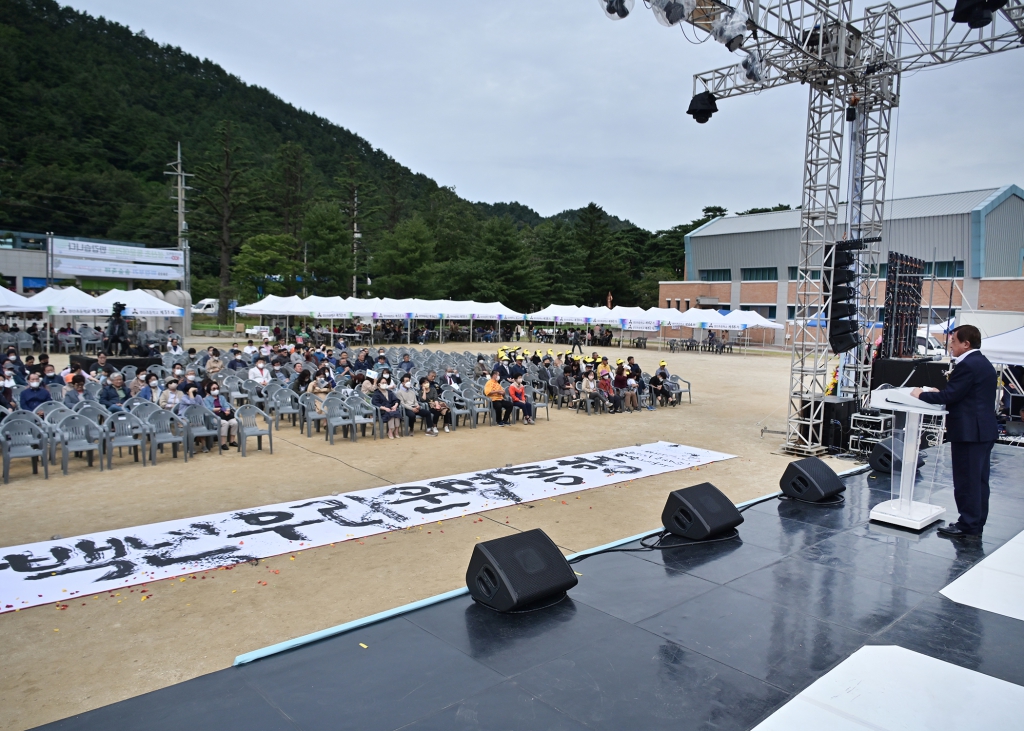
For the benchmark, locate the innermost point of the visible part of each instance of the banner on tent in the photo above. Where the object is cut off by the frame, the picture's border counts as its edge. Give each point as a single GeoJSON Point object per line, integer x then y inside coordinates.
{"type": "Point", "coordinates": [639, 325]}
{"type": "Point", "coordinates": [57, 570]}
{"type": "Point", "coordinates": [168, 311]}
{"type": "Point", "coordinates": [117, 270]}
{"type": "Point", "coordinates": [112, 252]}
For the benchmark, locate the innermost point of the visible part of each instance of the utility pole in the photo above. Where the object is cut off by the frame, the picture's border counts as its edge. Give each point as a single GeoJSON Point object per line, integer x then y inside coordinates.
{"type": "Point", "coordinates": [356, 236]}
{"type": "Point", "coordinates": [178, 171]}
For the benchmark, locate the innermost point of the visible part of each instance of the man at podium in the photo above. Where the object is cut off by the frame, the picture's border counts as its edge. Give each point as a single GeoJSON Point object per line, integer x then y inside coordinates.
{"type": "Point", "coordinates": [971, 430]}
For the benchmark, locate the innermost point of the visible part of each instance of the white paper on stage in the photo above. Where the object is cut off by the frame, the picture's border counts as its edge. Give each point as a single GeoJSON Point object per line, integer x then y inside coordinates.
{"type": "Point", "coordinates": [52, 571]}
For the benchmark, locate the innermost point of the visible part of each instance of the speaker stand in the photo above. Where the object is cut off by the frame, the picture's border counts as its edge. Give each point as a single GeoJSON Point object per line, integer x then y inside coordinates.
{"type": "Point", "coordinates": [902, 510]}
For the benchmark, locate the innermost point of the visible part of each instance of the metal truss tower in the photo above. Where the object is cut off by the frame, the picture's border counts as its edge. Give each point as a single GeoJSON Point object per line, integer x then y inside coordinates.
{"type": "Point", "coordinates": [853, 69]}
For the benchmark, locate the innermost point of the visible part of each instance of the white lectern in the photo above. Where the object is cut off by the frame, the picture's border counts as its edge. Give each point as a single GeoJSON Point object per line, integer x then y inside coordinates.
{"type": "Point", "coordinates": [903, 510]}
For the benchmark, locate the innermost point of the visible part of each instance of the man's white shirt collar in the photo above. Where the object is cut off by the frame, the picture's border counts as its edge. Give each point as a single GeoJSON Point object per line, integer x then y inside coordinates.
{"type": "Point", "coordinates": [964, 355]}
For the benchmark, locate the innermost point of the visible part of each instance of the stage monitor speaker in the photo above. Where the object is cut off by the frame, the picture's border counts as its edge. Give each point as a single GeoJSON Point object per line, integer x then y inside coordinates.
{"type": "Point", "coordinates": [699, 512]}
{"type": "Point", "coordinates": [810, 480]}
{"type": "Point", "coordinates": [883, 460]}
{"type": "Point", "coordinates": [517, 571]}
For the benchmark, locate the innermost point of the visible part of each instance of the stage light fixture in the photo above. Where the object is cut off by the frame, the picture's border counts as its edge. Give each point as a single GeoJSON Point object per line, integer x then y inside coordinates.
{"type": "Point", "coordinates": [728, 28]}
{"type": "Point", "coordinates": [702, 106]}
{"type": "Point", "coordinates": [976, 13]}
{"type": "Point", "coordinates": [616, 9]}
{"type": "Point", "coordinates": [670, 12]}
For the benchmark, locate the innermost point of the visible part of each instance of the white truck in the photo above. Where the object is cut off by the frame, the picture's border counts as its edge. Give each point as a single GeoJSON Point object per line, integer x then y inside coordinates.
{"type": "Point", "coordinates": [207, 306]}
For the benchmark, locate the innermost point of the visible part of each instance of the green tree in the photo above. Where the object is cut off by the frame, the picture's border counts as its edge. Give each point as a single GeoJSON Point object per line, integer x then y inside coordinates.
{"type": "Point", "coordinates": [358, 199]}
{"type": "Point", "coordinates": [508, 272]}
{"type": "Point", "coordinates": [223, 193]}
{"type": "Point", "coordinates": [646, 290]}
{"type": "Point", "coordinates": [266, 264]}
{"type": "Point", "coordinates": [563, 269]}
{"type": "Point", "coordinates": [403, 261]}
{"type": "Point", "coordinates": [328, 241]}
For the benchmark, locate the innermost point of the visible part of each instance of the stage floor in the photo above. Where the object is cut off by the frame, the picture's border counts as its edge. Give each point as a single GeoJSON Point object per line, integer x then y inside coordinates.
{"type": "Point", "coordinates": [718, 636]}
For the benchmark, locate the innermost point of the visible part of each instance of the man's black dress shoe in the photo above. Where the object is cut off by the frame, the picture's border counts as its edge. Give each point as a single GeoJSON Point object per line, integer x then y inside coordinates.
{"type": "Point", "coordinates": [953, 530]}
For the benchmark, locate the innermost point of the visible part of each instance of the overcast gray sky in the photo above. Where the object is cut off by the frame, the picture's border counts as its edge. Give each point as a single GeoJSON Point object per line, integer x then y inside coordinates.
{"type": "Point", "coordinates": [552, 105]}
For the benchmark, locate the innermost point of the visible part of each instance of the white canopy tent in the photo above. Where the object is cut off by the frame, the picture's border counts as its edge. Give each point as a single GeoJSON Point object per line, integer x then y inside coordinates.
{"type": "Point", "coordinates": [14, 302]}
{"type": "Point", "coordinates": [1007, 348]}
{"type": "Point", "coordinates": [139, 303]}
{"type": "Point", "coordinates": [68, 301]}
{"type": "Point", "coordinates": [749, 318]}
{"type": "Point", "coordinates": [272, 304]}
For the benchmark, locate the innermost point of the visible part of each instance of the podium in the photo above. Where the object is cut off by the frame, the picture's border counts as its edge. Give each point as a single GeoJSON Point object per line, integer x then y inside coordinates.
{"type": "Point", "coordinates": [902, 509]}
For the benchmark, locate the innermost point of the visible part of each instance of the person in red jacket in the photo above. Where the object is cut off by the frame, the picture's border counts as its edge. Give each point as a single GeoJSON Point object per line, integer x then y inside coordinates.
{"type": "Point", "coordinates": [517, 394]}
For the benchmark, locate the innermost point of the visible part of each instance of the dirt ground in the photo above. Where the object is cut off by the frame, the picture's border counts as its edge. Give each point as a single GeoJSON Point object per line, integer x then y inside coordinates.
{"type": "Point", "coordinates": [103, 649]}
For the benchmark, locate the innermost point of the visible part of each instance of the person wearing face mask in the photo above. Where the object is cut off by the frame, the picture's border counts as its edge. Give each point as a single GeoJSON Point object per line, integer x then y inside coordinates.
{"type": "Point", "coordinates": [319, 386]}
{"type": "Point", "coordinates": [7, 399]}
{"type": "Point", "coordinates": [50, 376]}
{"type": "Point", "coordinates": [279, 374]}
{"type": "Point", "coordinates": [192, 379]}
{"type": "Point", "coordinates": [381, 354]}
{"type": "Point", "coordinates": [12, 373]}
{"type": "Point", "coordinates": [151, 391]}
{"type": "Point", "coordinates": [35, 395]}
{"type": "Point", "coordinates": [221, 407]}
{"type": "Point", "coordinates": [413, 407]}
{"type": "Point", "coordinates": [178, 372]}
{"type": "Point", "coordinates": [170, 397]}
{"type": "Point", "coordinates": [76, 393]}
{"type": "Point", "coordinates": [138, 383]}
{"type": "Point", "coordinates": [214, 364]}
{"type": "Point", "coordinates": [15, 362]}
{"type": "Point", "coordinates": [237, 363]}
{"type": "Point", "coordinates": [452, 377]}
{"type": "Point", "coordinates": [259, 372]}
{"type": "Point", "coordinates": [390, 408]}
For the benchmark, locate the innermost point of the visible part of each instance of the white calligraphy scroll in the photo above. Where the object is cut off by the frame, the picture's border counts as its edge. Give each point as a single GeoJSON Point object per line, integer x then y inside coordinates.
{"type": "Point", "coordinates": [52, 571]}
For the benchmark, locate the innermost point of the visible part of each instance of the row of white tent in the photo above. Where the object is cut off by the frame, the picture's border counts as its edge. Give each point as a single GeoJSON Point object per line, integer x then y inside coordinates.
{"type": "Point", "coordinates": [71, 301]}
{"type": "Point", "coordinates": [628, 318]}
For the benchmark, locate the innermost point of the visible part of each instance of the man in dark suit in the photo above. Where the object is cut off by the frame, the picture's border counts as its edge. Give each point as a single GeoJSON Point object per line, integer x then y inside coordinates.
{"type": "Point", "coordinates": [970, 399]}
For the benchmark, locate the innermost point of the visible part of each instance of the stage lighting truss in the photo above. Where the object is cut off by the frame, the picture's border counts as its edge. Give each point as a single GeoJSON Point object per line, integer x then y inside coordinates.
{"type": "Point", "coordinates": [853, 69]}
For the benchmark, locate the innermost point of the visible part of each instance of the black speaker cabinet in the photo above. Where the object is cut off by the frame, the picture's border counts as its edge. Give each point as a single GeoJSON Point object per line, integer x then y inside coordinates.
{"type": "Point", "coordinates": [516, 571]}
{"type": "Point", "coordinates": [810, 479]}
{"type": "Point", "coordinates": [838, 412]}
{"type": "Point", "coordinates": [882, 458]}
{"type": "Point", "coordinates": [699, 512]}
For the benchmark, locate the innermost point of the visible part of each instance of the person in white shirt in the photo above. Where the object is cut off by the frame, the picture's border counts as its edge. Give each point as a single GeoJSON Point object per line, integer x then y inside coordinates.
{"type": "Point", "coordinates": [259, 373]}
{"type": "Point", "coordinates": [249, 349]}
{"type": "Point", "coordinates": [173, 348]}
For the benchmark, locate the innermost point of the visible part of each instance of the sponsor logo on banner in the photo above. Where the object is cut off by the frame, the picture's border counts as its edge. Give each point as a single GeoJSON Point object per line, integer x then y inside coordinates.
{"type": "Point", "coordinates": [57, 570]}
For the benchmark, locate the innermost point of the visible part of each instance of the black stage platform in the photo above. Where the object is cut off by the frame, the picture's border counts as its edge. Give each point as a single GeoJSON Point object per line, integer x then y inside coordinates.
{"type": "Point", "coordinates": [710, 637]}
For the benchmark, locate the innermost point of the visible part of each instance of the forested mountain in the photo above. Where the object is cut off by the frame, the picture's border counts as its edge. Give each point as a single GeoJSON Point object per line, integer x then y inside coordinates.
{"type": "Point", "coordinates": [91, 113]}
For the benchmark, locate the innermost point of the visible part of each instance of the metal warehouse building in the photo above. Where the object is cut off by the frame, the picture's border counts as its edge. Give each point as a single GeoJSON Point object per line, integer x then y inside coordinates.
{"type": "Point", "coordinates": [973, 240]}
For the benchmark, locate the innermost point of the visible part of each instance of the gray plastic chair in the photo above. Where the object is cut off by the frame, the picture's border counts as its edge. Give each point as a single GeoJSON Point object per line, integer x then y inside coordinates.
{"type": "Point", "coordinates": [285, 402]}
{"type": "Point", "coordinates": [363, 414]}
{"type": "Point", "coordinates": [167, 429]}
{"type": "Point", "coordinates": [122, 429]}
{"type": "Point", "coordinates": [457, 405]}
{"type": "Point", "coordinates": [248, 417]}
{"type": "Point", "coordinates": [310, 416]}
{"type": "Point", "coordinates": [338, 415]}
{"type": "Point", "coordinates": [677, 390]}
{"type": "Point", "coordinates": [539, 399]}
{"type": "Point", "coordinates": [480, 405]}
{"type": "Point", "coordinates": [20, 439]}
{"type": "Point", "coordinates": [202, 424]}
{"type": "Point", "coordinates": [80, 434]}
{"type": "Point", "coordinates": [56, 391]}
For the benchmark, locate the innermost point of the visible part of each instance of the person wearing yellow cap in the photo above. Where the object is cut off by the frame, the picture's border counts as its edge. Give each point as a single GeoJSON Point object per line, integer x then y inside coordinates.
{"type": "Point", "coordinates": [551, 352]}
{"type": "Point", "coordinates": [662, 371]}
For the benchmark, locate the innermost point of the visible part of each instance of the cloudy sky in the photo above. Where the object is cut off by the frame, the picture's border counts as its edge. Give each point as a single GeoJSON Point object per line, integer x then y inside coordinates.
{"type": "Point", "coordinates": [552, 105]}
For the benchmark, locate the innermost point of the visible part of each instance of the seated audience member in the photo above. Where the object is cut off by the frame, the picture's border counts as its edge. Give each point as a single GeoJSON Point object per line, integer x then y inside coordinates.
{"type": "Point", "coordinates": [517, 395]}
{"type": "Point", "coordinates": [114, 394]}
{"type": "Point", "coordinates": [76, 394]}
{"type": "Point", "coordinates": [406, 364]}
{"type": "Point", "coordinates": [301, 383]}
{"type": "Point", "coordinates": [139, 382]}
{"type": "Point", "coordinates": [151, 391]}
{"type": "Point", "coordinates": [279, 374]}
{"type": "Point", "coordinates": [567, 384]}
{"type": "Point", "coordinates": [189, 396]}
{"type": "Point", "coordinates": [590, 390]}
{"type": "Point", "coordinates": [480, 369]}
{"type": "Point", "coordinates": [629, 395]}
{"type": "Point", "coordinates": [50, 375]}
{"type": "Point", "coordinates": [496, 393]}
{"type": "Point", "coordinates": [662, 371]}
{"type": "Point", "coordinates": [438, 407]}
{"type": "Point", "coordinates": [452, 377]}
{"type": "Point", "coordinates": [7, 399]}
{"type": "Point", "coordinates": [35, 395]}
{"type": "Point", "coordinates": [11, 373]}
{"type": "Point", "coordinates": [222, 408]}
{"type": "Point", "coordinates": [414, 407]}
{"type": "Point", "coordinates": [658, 392]}
{"type": "Point", "coordinates": [170, 397]}
{"type": "Point", "coordinates": [384, 398]}
{"type": "Point", "coordinates": [249, 348]}
{"type": "Point", "coordinates": [236, 363]}
{"type": "Point", "coordinates": [259, 372]}
{"type": "Point", "coordinates": [363, 362]}
{"type": "Point", "coordinates": [192, 379]}
{"type": "Point", "coordinates": [604, 383]}
{"type": "Point", "coordinates": [319, 387]}
{"type": "Point", "coordinates": [518, 369]}
{"type": "Point", "coordinates": [173, 348]}
{"type": "Point", "coordinates": [213, 364]}
{"type": "Point", "coordinates": [343, 369]}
